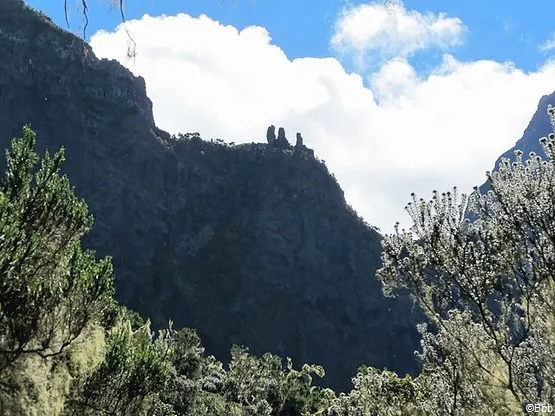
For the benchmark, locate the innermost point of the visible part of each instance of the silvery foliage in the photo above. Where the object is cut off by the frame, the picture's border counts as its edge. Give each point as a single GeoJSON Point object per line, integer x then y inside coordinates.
{"type": "Point", "coordinates": [378, 392]}
{"type": "Point", "coordinates": [487, 286]}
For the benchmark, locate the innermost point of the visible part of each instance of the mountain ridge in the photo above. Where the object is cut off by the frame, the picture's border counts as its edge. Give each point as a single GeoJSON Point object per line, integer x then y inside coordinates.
{"type": "Point", "coordinates": [250, 244]}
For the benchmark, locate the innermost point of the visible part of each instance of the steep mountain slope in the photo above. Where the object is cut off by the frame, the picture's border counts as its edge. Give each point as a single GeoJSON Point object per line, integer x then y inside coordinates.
{"type": "Point", "coordinates": [538, 127]}
{"type": "Point", "coordinates": [251, 244]}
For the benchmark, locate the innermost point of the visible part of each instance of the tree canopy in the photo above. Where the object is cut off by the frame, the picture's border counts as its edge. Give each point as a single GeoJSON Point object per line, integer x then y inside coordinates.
{"type": "Point", "coordinates": [488, 287]}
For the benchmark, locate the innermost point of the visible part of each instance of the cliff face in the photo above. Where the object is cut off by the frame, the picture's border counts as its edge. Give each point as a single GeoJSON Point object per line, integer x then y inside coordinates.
{"type": "Point", "coordinates": [250, 244]}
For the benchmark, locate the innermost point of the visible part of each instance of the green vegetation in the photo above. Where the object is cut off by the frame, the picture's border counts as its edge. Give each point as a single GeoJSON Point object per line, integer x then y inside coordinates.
{"type": "Point", "coordinates": [66, 347]}
{"type": "Point", "coordinates": [487, 286]}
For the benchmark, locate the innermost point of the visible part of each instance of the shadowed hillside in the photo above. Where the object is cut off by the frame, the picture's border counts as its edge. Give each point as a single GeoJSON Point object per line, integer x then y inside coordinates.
{"type": "Point", "coordinates": [251, 244]}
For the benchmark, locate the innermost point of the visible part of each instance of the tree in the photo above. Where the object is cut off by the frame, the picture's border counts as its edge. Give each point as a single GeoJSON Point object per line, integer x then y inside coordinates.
{"type": "Point", "coordinates": [134, 371]}
{"type": "Point", "coordinates": [264, 387]}
{"type": "Point", "coordinates": [488, 287]}
{"type": "Point", "coordinates": [53, 294]}
{"type": "Point", "coordinates": [379, 393]}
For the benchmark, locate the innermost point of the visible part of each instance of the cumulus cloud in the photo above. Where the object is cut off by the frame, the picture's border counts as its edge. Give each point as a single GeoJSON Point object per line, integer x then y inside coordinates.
{"type": "Point", "coordinates": [384, 31]}
{"type": "Point", "coordinates": [383, 136]}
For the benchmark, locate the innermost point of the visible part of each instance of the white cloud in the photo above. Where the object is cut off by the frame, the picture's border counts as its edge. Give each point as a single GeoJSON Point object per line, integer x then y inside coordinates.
{"type": "Point", "coordinates": [548, 44]}
{"type": "Point", "coordinates": [389, 32]}
{"type": "Point", "coordinates": [401, 134]}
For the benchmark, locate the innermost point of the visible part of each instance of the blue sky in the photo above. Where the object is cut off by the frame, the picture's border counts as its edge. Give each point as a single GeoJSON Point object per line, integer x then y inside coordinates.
{"type": "Point", "coordinates": [415, 96]}
{"type": "Point", "coordinates": [499, 29]}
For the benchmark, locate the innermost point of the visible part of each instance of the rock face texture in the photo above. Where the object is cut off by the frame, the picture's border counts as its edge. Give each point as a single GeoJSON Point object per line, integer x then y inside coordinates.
{"type": "Point", "coordinates": [538, 127]}
{"type": "Point", "coordinates": [299, 142]}
{"type": "Point", "coordinates": [281, 141]}
{"type": "Point", "coordinates": [249, 244]}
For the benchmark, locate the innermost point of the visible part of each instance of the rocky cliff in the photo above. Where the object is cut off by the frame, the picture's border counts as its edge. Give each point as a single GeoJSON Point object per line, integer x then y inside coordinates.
{"type": "Point", "coordinates": [250, 244]}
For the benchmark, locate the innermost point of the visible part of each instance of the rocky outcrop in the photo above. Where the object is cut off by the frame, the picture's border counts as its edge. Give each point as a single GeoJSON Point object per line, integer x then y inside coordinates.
{"type": "Point", "coordinates": [271, 135]}
{"type": "Point", "coordinates": [281, 142]}
{"type": "Point", "coordinates": [299, 143]}
{"type": "Point", "coordinates": [247, 244]}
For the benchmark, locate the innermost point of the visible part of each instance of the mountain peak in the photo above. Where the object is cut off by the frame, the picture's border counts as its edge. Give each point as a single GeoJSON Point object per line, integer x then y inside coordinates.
{"type": "Point", "coordinates": [538, 127]}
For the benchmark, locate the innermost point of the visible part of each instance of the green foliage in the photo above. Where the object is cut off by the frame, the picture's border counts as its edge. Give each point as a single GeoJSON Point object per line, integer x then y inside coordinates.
{"type": "Point", "coordinates": [191, 375]}
{"type": "Point", "coordinates": [210, 404]}
{"type": "Point", "coordinates": [51, 291]}
{"type": "Point", "coordinates": [379, 393]}
{"type": "Point", "coordinates": [264, 386]}
{"type": "Point", "coordinates": [134, 370]}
